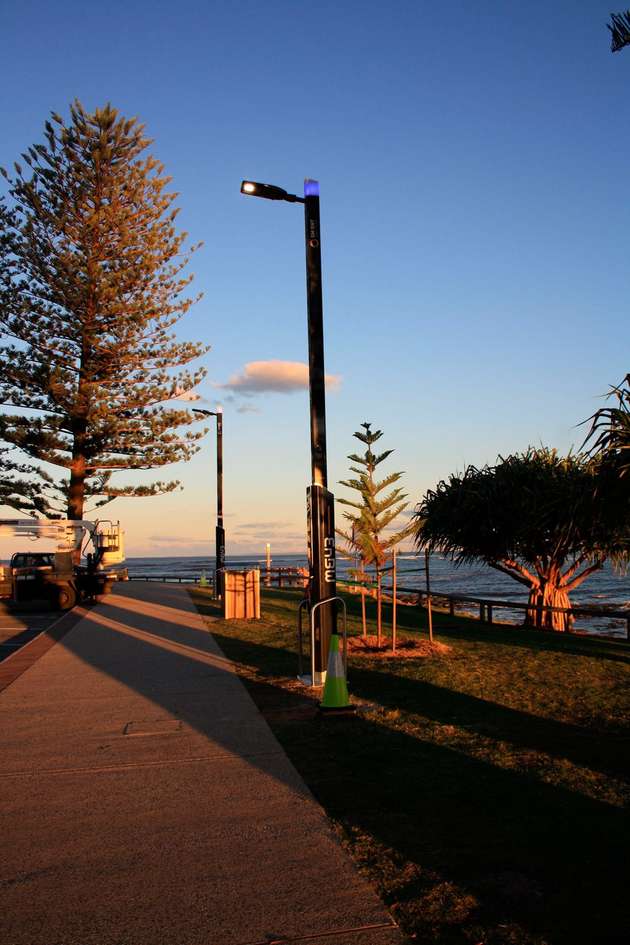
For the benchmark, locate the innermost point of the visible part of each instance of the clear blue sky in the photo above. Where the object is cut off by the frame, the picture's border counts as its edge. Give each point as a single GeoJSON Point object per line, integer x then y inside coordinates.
{"type": "Point", "coordinates": [473, 162]}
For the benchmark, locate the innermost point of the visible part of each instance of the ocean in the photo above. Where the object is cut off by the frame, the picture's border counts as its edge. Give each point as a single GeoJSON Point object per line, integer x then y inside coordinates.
{"type": "Point", "coordinates": [604, 588]}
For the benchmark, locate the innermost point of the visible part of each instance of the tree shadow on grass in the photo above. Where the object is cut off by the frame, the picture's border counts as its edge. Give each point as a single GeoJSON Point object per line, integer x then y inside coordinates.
{"type": "Point", "coordinates": [606, 752]}
{"type": "Point", "coordinates": [523, 851]}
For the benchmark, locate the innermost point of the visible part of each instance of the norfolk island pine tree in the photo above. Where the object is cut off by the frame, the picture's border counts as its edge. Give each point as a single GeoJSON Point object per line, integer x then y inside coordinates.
{"type": "Point", "coordinates": [91, 284]}
{"type": "Point", "coordinates": [368, 534]}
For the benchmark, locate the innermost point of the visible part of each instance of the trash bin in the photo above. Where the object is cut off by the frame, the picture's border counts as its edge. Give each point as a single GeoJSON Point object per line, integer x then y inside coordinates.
{"type": "Point", "coordinates": [241, 595]}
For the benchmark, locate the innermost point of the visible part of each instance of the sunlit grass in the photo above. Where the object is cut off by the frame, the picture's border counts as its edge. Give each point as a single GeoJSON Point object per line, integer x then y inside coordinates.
{"type": "Point", "coordinates": [482, 791]}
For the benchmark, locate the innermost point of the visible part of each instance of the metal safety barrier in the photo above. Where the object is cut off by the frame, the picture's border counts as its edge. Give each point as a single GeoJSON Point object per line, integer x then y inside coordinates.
{"type": "Point", "coordinates": [306, 604]}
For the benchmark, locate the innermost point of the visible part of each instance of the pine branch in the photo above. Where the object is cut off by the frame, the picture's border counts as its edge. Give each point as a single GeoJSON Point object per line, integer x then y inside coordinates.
{"type": "Point", "coordinates": [375, 515]}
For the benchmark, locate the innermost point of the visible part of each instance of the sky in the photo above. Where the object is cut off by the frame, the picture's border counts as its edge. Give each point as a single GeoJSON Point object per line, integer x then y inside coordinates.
{"type": "Point", "coordinates": [472, 160]}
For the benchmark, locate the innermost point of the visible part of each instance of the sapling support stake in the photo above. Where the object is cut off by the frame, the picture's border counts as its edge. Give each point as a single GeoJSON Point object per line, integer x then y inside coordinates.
{"type": "Point", "coordinates": [394, 600]}
{"type": "Point", "coordinates": [429, 612]}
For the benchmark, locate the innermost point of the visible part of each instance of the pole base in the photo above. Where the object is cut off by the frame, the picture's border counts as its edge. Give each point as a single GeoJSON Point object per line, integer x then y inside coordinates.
{"type": "Point", "coordinates": [343, 710]}
{"type": "Point", "coordinates": [307, 680]}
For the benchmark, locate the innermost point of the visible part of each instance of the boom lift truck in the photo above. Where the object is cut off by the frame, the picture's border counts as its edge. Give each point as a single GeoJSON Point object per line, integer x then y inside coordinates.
{"type": "Point", "coordinates": [53, 576]}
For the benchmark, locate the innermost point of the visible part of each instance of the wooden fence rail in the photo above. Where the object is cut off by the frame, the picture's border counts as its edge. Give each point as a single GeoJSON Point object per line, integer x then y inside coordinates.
{"type": "Point", "coordinates": [294, 577]}
{"type": "Point", "coordinates": [487, 606]}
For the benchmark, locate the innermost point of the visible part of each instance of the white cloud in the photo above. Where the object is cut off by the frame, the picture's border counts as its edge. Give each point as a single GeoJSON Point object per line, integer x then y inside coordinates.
{"type": "Point", "coordinates": [280, 377]}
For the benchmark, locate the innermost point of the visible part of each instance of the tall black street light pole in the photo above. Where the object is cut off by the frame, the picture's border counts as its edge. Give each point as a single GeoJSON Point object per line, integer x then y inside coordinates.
{"type": "Point", "coordinates": [219, 553]}
{"type": "Point", "coordinates": [319, 501]}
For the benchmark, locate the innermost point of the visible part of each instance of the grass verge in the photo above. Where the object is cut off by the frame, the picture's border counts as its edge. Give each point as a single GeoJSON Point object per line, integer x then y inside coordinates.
{"type": "Point", "coordinates": [482, 791]}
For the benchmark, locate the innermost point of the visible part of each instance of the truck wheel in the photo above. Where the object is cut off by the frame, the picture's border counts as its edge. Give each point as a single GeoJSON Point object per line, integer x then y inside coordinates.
{"type": "Point", "coordinates": [66, 597]}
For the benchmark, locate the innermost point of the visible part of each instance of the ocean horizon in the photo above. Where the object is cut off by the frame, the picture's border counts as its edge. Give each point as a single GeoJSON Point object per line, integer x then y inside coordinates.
{"type": "Point", "coordinates": [604, 588]}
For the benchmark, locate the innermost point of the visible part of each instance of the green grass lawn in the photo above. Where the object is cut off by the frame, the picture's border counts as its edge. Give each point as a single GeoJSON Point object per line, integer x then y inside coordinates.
{"type": "Point", "coordinates": [483, 791]}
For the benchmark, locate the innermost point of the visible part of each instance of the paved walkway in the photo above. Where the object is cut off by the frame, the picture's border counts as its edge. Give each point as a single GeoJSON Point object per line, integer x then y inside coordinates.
{"type": "Point", "coordinates": [146, 801]}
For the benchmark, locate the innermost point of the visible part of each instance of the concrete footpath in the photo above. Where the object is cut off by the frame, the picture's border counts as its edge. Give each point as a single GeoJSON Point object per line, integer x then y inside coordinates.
{"type": "Point", "coordinates": [145, 800]}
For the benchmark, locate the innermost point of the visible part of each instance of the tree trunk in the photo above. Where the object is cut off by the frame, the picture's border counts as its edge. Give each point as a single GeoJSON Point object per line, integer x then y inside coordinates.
{"type": "Point", "coordinates": [548, 586]}
{"type": "Point", "coordinates": [548, 594]}
{"type": "Point", "coordinates": [76, 493]}
{"type": "Point", "coordinates": [76, 497]}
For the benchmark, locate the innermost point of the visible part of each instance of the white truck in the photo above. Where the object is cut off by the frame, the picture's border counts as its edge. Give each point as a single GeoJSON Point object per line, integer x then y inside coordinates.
{"type": "Point", "coordinates": [54, 576]}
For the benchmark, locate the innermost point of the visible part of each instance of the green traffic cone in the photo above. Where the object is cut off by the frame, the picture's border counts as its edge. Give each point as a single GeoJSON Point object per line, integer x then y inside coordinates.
{"type": "Point", "coordinates": [335, 697]}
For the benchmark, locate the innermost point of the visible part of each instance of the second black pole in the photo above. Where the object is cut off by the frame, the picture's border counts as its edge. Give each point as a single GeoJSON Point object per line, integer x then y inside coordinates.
{"type": "Point", "coordinates": [219, 564]}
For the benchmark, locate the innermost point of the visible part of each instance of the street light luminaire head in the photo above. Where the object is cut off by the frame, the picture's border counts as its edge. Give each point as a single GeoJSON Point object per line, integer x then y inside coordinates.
{"type": "Point", "coordinates": [270, 191]}
{"type": "Point", "coordinates": [254, 188]}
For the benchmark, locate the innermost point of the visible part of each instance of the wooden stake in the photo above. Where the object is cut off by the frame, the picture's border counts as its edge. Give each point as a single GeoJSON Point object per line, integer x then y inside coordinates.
{"type": "Point", "coordinates": [429, 611]}
{"type": "Point", "coordinates": [363, 606]}
{"type": "Point", "coordinates": [394, 600]}
{"type": "Point", "coordinates": [379, 625]}
{"type": "Point", "coordinates": [360, 570]}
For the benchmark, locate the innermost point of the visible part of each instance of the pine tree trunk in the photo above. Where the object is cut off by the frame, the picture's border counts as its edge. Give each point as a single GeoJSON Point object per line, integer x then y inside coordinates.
{"type": "Point", "coordinates": [76, 492]}
{"type": "Point", "coordinates": [76, 496]}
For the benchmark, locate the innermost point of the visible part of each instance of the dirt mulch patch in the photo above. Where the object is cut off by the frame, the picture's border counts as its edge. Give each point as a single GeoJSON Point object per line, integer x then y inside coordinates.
{"type": "Point", "coordinates": [405, 649]}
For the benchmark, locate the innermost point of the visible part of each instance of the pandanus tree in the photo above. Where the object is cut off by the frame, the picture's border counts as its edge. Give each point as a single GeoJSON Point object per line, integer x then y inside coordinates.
{"type": "Point", "coordinates": [619, 27]}
{"type": "Point", "coordinates": [370, 533]}
{"type": "Point", "coordinates": [545, 520]}
{"type": "Point", "coordinates": [91, 285]}
{"type": "Point", "coordinates": [609, 434]}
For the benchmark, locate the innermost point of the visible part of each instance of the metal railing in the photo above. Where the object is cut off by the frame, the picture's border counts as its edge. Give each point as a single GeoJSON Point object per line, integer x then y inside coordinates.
{"type": "Point", "coordinates": [175, 578]}
{"type": "Point", "coordinates": [284, 577]}
{"type": "Point", "coordinates": [304, 605]}
{"type": "Point", "coordinates": [273, 577]}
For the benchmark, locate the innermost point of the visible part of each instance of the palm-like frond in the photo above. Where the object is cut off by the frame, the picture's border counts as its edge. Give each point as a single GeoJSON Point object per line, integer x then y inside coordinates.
{"type": "Point", "coordinates": [610, 429]}
{"type": "Point", "coordinates": [620, 30]}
